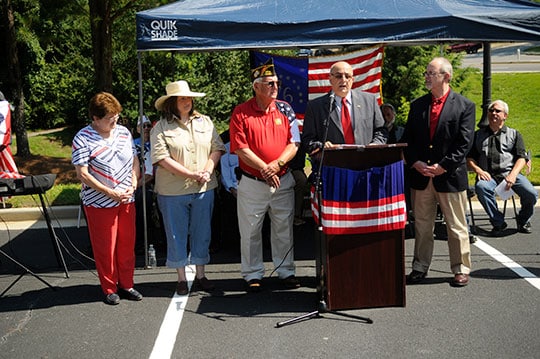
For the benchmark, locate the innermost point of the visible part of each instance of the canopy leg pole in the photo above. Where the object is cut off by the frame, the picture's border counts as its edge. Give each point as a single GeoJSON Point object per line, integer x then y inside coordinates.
{"type": "Point", "coordinates": [142, 157]}
{"type": "Point", "coordinates": [486, 83]}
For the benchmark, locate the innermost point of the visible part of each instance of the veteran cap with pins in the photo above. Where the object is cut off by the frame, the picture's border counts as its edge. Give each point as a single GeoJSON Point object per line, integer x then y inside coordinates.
{"type": "Point", "coordinates": [267, 69]}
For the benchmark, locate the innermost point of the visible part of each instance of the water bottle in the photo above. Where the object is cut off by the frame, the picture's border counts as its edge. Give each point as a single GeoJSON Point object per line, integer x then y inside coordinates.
{"type": "Point", "coordinates": [152, 262]}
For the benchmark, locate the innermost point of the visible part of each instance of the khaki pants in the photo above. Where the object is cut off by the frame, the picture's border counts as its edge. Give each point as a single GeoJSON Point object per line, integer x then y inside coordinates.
{"type": "Point", "coordinates": [453, 206]}
{"type": "Point", "coordinates": [255, 199]}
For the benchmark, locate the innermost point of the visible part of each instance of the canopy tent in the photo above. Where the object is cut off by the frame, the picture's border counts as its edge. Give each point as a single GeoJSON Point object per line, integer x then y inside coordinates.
{"type": "Point", "coordinates": [202, 25]}
{"type": "Point", "coordinates": [210, 25]}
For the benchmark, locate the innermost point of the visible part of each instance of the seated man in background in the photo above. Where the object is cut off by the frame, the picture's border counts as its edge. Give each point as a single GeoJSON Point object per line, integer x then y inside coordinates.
{"type": "Point", "coordinates": [498, 154]}
{"type": "Point", "coordinates": [395, 131]}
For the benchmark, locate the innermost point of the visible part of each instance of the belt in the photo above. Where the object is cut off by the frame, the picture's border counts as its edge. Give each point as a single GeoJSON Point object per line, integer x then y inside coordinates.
{"type": "Point", "coordinates": [249, 175]}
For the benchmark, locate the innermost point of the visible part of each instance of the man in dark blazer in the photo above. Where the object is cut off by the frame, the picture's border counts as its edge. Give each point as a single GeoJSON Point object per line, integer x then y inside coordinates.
{"type": "Point", "coordinates": [366, 118]}
{"type": "Point", "coordinates": [439, 133]}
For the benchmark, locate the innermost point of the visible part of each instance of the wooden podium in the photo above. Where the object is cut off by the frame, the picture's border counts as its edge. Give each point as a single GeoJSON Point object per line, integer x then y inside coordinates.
{"type": "Point", "coordinates": [361, 270]}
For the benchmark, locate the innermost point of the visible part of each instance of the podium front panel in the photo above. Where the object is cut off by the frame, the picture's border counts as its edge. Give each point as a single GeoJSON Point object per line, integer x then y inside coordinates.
{"type": "Point", "coordinates": [362, 270]}
{"type": "Point", "coordinates": [365, 270]}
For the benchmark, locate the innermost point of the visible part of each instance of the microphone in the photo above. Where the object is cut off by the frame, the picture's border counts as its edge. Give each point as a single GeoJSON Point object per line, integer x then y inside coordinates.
{"type": "Point", "coordinates": [332, 102]}
{"type": "Point", "coordinates": [331, 97]}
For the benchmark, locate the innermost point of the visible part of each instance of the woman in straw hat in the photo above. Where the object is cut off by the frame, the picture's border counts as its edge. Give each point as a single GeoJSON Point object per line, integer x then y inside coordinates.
{"type": "Point", "coordinates": [186, 148]}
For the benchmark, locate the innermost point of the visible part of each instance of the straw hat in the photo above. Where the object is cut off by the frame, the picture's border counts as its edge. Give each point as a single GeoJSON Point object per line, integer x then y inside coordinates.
{"type": "Point", "coordinates": [178, 88]}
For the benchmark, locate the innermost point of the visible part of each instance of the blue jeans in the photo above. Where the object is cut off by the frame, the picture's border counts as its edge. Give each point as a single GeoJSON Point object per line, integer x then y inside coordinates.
{"type": "Point", "coordinates": [187, 216]}
{"type": "Point", "coordinates": [485, 190]}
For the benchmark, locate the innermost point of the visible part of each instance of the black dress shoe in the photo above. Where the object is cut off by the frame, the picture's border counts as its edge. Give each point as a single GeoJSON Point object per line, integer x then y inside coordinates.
{"type": "Point", "coordinates": [416, 277]}
{"type": "Point", "coordinates": [254, 285]}
{"type": "Point", "coordinates": [498, 231]}
{"type": "Point", "coordinates": [291, 282]}
{"type": "Point", "coordinates": [112, 299]}
{"type": "Point", "coordinates": [130, 294]}
{"type": "Point", "coordinates": [525, 228]}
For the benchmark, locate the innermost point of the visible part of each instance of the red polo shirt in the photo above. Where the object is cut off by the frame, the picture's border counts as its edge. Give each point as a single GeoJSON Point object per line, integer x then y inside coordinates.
{"type": "Point", "coordinates": [266, 134]}
{"type": "Point", "coordinates": [435, 113]}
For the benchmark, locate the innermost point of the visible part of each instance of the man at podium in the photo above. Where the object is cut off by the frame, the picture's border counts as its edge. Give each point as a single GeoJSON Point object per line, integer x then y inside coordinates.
{"type": "Point", "coordinates": [343, 115]}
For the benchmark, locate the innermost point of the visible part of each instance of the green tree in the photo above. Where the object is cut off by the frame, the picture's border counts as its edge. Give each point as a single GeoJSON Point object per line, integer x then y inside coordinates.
{"type": "Point", "coordinates": [13, 78]}
{"type": "Point", "coordinates": [403, 79]}
{"type": "Point", "coordinates": [60, 80]}
{"type": "Point", "coordinates": [223, 76]}
{"type": "Point", "coordinates": [69, 49]}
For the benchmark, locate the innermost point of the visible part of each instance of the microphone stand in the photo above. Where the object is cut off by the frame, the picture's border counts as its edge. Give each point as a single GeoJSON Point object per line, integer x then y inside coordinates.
{"type": "Point", "coordinates": [319, 240]}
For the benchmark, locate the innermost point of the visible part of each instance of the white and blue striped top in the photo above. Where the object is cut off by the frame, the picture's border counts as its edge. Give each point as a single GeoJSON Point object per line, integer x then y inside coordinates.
{"type": "Point", "coordinates": [110, 161]}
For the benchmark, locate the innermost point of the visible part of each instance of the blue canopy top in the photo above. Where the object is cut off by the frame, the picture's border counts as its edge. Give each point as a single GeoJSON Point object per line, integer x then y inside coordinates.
{"type": "Point", "coordinates": [198, 25]}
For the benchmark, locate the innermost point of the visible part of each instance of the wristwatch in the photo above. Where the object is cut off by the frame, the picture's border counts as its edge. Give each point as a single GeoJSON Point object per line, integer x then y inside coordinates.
{"type": "Point", "coordinates": [281, 163]}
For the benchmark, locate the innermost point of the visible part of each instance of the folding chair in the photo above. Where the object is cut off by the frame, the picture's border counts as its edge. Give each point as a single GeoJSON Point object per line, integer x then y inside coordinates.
{"type": "Point", "coordinates": [471, 193]}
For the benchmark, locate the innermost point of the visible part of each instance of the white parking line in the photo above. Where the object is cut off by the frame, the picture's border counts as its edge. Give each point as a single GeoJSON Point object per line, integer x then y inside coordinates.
{"type": "Point", "coordinates": [164, 344]}
{"type": "Point", "coordinates": [501, 258]}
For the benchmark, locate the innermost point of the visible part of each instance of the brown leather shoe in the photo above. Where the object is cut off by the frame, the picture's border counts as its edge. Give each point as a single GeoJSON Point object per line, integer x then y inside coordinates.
{"type": "Point", "coordinates": [204, 284]}
{"type": "Point", "coordinates": [460, 280]}
{"type": "Point", "coordinates": [182, 288]}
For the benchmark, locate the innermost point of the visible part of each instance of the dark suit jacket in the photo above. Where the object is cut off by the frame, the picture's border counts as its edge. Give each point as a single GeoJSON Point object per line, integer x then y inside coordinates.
{"type": "Point", "coordinates": [451, 142]}
{"type": "Point", "coordinates": [367, 117]}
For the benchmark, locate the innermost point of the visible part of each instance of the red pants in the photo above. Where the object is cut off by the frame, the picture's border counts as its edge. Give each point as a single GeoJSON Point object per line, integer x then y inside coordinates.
{"type": "Point", "coordinates": [112, 234]}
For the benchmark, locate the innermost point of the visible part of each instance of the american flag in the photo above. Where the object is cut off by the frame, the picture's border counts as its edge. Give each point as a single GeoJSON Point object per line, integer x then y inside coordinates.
{"type": "Point", "coordinates": [353, 202]}
{"type": "Point", "coordinates": [305, 78]}
{"type": "Point", "coordinates": [8, 168]}
{"type": "Point", "coordinates": [366, 201]}
{"type": "Point", "coordinates": [366, 64]}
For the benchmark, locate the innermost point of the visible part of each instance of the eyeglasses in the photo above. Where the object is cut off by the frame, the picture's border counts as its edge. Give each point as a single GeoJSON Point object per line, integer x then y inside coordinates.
{"type": "Point", "coordinates": [432, 74]}
{"type": "Point", "coordinates": [339, 75]}
{"type": "Point", "coordinates": [272, 83]}
{"type": "Point", "coordinates": [496, 110]}
{"type": "Point", "coordinates": [147, 126]}
{"type": "Point", "coordinates": [113, 118]}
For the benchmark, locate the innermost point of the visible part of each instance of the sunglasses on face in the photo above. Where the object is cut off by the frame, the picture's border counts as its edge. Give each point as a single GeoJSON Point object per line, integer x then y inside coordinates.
{"type": "Point", "coordinates": [496, 110]}
{"type": "Point", "coordinates": [272, 83]}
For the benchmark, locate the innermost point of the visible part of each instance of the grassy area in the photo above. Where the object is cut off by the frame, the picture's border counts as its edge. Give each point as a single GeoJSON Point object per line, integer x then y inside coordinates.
{"type": "Point", "coordinates": [58, 195]}
{"type": "Point", "coordinates": [53, 150]}
{"type": "Point", "coordinates": [53, 144]}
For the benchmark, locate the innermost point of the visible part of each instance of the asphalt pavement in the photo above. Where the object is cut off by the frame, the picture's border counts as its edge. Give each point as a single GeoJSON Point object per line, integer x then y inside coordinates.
{"type": "Point", "coordinates": [496, 316]}
{"type": "Point", "coordinates": [507, 57]}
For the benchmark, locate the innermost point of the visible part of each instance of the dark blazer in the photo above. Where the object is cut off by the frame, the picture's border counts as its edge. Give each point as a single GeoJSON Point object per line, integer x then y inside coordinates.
{"type": "Point", "coordinates": [367, 117]}
{"type": "Point", "coordinates": [451, 142]}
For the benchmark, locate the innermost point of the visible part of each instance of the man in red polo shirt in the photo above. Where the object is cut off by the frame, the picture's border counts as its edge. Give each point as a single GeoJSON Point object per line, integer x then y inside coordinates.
{"type": "Point", "coordinates": [264, 134]}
